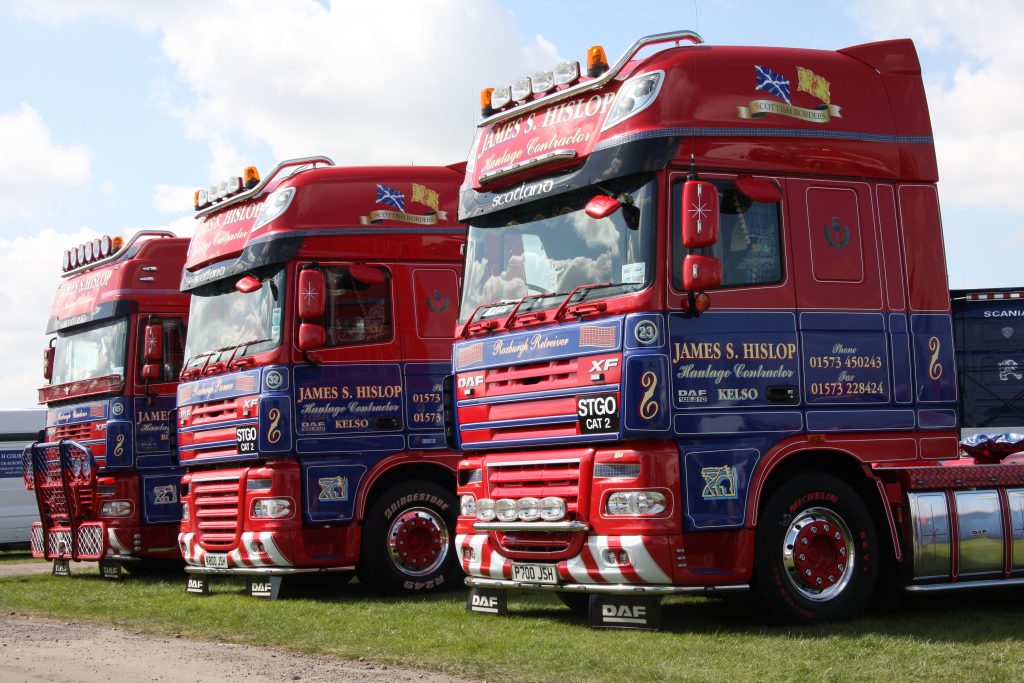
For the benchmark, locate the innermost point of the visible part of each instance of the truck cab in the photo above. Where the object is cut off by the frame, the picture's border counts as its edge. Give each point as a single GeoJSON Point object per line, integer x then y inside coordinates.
{"type": "Point", "coordinates": [309, 413]}
{"type": "Point", "coordinates": [104, 476]}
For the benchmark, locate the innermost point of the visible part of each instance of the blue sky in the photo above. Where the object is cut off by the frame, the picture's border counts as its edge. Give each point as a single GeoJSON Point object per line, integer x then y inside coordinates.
{"type": "Point", "coordinates": [113, 111]}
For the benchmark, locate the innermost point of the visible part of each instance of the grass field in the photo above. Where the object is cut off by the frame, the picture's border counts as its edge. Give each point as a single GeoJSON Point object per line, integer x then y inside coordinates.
{"type": "Point", "coordinates": [19, 555]}
{"type": "Point", "coordinates": [975, 637]}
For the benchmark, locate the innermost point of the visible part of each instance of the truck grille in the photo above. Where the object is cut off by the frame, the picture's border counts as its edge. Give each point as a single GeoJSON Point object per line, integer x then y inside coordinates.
{"type": "Point", "coordinates": [76, 432]}
{"type": "Point", "coordinates": [515, 480]}
{"type": "Point", "coordinates": [217, 512]}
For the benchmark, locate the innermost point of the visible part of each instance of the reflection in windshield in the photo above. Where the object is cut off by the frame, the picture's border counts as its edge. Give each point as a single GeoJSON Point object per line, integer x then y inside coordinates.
{"type": "Point", "coordinates": [553, 246]}
{"type": "Point", "coordinates": [222, 319]}
{"type": "Point", "coordinates": [95, 351]}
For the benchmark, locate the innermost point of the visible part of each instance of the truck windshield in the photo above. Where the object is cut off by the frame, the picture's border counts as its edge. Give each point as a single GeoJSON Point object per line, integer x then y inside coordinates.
{"type": "Point", "coordinates": [90, 352]}
{"type": "Point", "coordinates": [224, 323]}
{"type": "Point", "coordinates": [552, 246]}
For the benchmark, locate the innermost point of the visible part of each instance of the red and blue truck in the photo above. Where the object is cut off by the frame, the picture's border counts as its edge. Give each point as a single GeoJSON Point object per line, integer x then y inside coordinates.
{"type": "Point", "coordinates": [705, 339]}
{"type": "Point", "coordinates": [103, 471]}
{"type": "Point", "coordinates": [309, 414]}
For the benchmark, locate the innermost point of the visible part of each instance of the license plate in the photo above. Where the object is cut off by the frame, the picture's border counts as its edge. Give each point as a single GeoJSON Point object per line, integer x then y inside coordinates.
{"type": "Point", "coordinates": [534, 573]}
{"type": "Point", "coordinates": [216, 560]}
{"type": "Point", "coordinates": [245, 439]}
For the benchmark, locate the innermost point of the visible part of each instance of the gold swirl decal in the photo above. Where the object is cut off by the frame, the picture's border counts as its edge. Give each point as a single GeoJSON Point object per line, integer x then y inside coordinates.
{"type": "Point", "coordinates": [934, 366]}
{"type": "Point", "coordinates": [119, 445]}
{"type": "Point", "coordinates": [648, 405]}
{"type": "Point", "coordinates": [273, 433]}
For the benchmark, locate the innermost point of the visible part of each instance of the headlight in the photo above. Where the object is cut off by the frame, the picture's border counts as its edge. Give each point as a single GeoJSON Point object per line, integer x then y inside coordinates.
{"type": "Point", "coordinates": [552, 509]}
{"type": "Point", "coordinates": [635, 503]}
{"type": "Point", "coordinates": [505, 509]}
{"type": "Point", "coordinates": [276, 204]}
{"type": "Point", "coordinates": [116, 508]}
{"type": "Point", "coordinates": [528, 509]}
{"type": "Point", "coordinates": [467, 506]}
{"type": "Point", "coordinates": [485, 509]}
{"type": "Point", "coordinates": [184, 511]}
{"type": "Point", "coordinates": [272, 508]}
{"type": "Point", "coordinates": [633, 97]}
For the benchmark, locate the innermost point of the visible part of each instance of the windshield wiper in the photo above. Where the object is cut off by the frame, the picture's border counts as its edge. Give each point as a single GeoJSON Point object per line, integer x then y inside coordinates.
{"type": "Point", "coordinates": [583, 291]}
{"type": "Point", "coordinates": [529, 297]}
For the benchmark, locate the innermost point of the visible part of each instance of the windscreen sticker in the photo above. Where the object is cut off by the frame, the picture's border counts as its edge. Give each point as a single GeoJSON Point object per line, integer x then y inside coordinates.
{"type": "Point", "coordinates": [633, 273]}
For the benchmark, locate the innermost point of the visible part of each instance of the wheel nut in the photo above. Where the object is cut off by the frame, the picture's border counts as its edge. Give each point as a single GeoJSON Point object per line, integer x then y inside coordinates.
{"type": "Point", "coordinates": [814, 529]}
{"type": "Point", "coordinates": [803, 557]}
{"type": "Point", "coordinates": [842, 551]}
{"type": "Point", "coordinates": [831, 579]}
{"type": "Point", "coordinates": [807, 572]}
{"type": "Point", "coordinates": [837, 536]}
{"type": "Point", "coordinates": [825, 527]}
{"type": "Point", "coordinates": [841, 567]}
{"type": "Point", "coordinates": [804, 541]}
{"type": "Point", "coordinates": [818, 581]}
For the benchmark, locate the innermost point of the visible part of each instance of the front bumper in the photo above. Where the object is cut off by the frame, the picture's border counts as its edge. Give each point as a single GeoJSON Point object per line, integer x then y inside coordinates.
{"type": "Point", "coordinates": [607, 589]}
{"type": "Point", "coordinates": [262, 553]}
{"type": "Point", "coordinates": [94, 541]}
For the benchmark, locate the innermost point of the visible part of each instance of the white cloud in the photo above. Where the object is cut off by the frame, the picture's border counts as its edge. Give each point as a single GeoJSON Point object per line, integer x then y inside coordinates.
{"type": "Point", "coordinates": [364, 83]}
{"type": "Point", "coordinates": [33, 164]}
{"type": "Point", "coordinates": [32, 273]}
{"type": "Point", "coordinates": [173, 198]}
{"type": "Point", "coordinates": [979, 133]}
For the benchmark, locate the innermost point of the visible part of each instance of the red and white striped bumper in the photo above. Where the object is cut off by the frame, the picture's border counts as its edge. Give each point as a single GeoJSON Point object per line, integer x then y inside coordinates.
{"type": "Point", "coordinates": [255, 550]}
{"type": "Point", "coordinates": [648, 560]}
{"type": "Point", "coordinates": [95, 541]}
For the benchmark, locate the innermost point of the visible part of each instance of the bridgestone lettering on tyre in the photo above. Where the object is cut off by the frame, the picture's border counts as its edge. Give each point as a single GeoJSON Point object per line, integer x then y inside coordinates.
{"type": "Point", "coordinates": [407, 544]}
{"type": "Point", "coordinates": [816, 556]}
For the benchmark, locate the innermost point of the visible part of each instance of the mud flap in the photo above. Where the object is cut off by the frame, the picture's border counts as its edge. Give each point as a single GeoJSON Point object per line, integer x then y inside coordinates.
{"type": "Point", "coordinates": [62, 567]}
{"type": "Point", "coordinates": [197, 584]}
{"type": "Point", "coordinates": [626, 611]}
{"type": "Point", "coordinates": [487, 601]}
{"type": "Point", "coordinates": [266, 587]}
{"type": "Point", "coordinates": [110, 570]}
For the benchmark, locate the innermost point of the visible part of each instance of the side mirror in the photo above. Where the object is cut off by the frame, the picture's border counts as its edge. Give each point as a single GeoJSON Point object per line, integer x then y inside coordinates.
{"type": "Point", "coordinates": [48, 355]}
{"type": "Point", "coordinates": [602, 206]}
{"type": "Point", "coordinates": [700, 214]}
{"type": "Point", "coordinates": [311, 294]}
{"type": "Point", "coordinates": [311, 336]}
{"type": "Point", "coordinates": [759, 190]}
{"type": "Point", "coordinates": [153, 342]}
{"type": "Point", "coordinates": [151, 371]}
{"type": "Point", "coordinates": [701, 272]}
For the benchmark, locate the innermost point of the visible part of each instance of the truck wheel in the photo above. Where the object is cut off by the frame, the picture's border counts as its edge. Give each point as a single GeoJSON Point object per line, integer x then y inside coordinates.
{"type": "Point", "coordinates": [408, 544]}
{"type": "Point", "coordinates": [816, 552]}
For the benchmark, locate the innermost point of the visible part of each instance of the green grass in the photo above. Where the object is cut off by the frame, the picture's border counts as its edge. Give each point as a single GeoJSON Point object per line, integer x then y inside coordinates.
{"type": "Point", "coordinates": [16, 556]}
{"type": "Point", "coordinates": [958, 637]}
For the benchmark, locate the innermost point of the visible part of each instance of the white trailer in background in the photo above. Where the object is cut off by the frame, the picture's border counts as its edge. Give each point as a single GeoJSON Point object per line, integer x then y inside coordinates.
{"type": "Point", "coordinates": [18, 428]}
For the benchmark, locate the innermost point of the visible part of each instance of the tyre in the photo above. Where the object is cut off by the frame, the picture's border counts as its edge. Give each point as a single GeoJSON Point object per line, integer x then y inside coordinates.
{"type": "Point", "coordinates": [408, 540]}
{"type": "Point", "coordinates": [816, 552]}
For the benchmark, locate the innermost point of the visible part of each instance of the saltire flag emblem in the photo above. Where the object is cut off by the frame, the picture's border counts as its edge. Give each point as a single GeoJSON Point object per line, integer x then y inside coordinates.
{"type": "Point", "coordinates": [422, 194]}
{"type": "Point", "coordinates": [771, 82]}
{"type": "Point", "coordinates": [389, 196]}
{"type": "Point", "coordinates": [474, 353]}
{"type": "Point", "coordinates": [597, 336]}
{"type": "Point", "coordinates": [810, 82]}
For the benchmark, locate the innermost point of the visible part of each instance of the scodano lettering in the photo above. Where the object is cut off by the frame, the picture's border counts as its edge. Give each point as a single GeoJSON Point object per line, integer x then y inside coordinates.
{"type": "Point", "coordinates": [523, 192]}
{"type": "Point", "coordinates": [518, 347]}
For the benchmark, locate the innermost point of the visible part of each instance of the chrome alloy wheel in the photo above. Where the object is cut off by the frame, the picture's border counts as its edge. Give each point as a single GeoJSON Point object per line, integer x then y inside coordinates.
{"type": "Point", "coordinates": [418, 541]}
{"type": "Point", "coordinates": [818, 553]}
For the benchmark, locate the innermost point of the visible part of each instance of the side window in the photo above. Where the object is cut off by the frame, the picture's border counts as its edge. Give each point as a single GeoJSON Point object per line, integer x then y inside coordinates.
{"type": "Point", "coordinates": [749, 243]}
{"type": "Point", "coordinates": [358, 307]}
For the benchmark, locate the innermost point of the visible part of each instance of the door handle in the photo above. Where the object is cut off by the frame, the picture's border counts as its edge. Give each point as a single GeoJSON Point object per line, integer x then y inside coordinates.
{"type": "Point", "coordinates": [781, 394]}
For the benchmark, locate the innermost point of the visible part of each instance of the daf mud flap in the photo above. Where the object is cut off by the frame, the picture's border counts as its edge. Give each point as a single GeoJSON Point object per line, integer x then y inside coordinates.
{"type": "Point", "coordinates": [625, 611]}
{"type": "Point", "coordinates": [62, 566]}
{"type": "Point", "coordinates": [487, 601]}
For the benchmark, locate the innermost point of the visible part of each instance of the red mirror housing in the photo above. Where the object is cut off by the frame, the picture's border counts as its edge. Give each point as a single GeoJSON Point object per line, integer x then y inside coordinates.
{"type": "Point", "coordinates": [48, 355]}
{"type": "Point", "coordinates": [701, 272]}
{"type": "Point", "coordinates": [311, 294]}
{"type": "Point", "coordinates": [247, 283]}
{"type": "Point", "coordinates": [602, 206]}
{"type": "Point", "coordinates": [153, 342]}
{"type": "Point", "coordinates": [151, 371]}
{"type": "Point", "coordinates": [700, 214]}
{"type": "Point", "coordinates": [311, 336]}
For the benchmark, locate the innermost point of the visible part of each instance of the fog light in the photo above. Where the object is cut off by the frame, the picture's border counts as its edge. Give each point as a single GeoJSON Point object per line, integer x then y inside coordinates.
{"type": "Point", "coordinates": [272, 508]}
{"type": "Point", "coordinates": [567, 72]}
{"type": "Point", "coordinates": [505, 510]}
{"type": "Point", "coordinates": [528, 509]}
{"type": "Point", "coordinates": [542, 81]}
{"type": "Point", "coordinates": [467, 506]}
{"type": "Point", "coordinates": [521, 89]}
{"type": "Point", "coordinates": [635, 503]}
{"type": "Point", "coordinates": [485, 509]}
{"type": "Point", "coordinates": [501, 96]}
{"type": "Point", "coordinates": [116, 508]}
{"type": "Point", "coordinates": [552, 509]}
{"type": "Point", "coordinates": [614, 558]}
